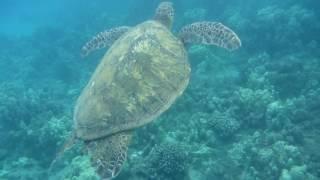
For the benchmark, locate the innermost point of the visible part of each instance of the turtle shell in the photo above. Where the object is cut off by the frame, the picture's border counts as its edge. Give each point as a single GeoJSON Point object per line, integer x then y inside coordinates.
{"type": "Point", "coordinates": [139, 77]}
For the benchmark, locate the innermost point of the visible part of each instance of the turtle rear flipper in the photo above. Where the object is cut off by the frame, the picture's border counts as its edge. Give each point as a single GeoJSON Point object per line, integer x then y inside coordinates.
{"type": "Point", "coordinates": [210, 33]}
{"type": "Point", "coordinates": [103, 39]}
{"type": "Point", "coordinates": [108, 154]}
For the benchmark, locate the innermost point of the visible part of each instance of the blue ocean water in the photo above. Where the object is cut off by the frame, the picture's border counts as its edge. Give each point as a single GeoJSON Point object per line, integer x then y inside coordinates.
{"type": "Point", "coordinates": [249, 114]}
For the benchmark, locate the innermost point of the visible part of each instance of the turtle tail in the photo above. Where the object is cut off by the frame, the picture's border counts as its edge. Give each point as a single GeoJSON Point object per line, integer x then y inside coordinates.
{"type": "Point", "coordinates": [210, 33]}
{"type": "Point", "coordinates": [108, 154]}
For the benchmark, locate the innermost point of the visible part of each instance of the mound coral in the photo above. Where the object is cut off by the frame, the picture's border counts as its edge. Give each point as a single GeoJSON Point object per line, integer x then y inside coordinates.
{"type": "Point", "coordinates": [166, 161]}
{"type": "Point", "coordinates": [224, 124]}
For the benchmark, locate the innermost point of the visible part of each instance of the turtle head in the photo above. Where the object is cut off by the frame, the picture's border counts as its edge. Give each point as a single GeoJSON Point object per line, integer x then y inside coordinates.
{"type": "Point", "coordinates": [165, 14]}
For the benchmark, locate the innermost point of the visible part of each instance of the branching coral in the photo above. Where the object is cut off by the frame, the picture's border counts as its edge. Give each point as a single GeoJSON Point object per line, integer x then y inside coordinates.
{"type": "Point", "coordinates": [252, 105]}
{"type": "Point", "coordinates": [54, 131]}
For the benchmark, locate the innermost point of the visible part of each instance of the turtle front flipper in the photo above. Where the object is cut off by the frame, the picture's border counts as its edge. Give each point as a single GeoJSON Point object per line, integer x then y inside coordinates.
{"type": "Point", "coordinates": [210, 33]}
{"type": "Point", "coordinates": [108, 154]}
{"type": "Point", "coordinates": [103, 39]}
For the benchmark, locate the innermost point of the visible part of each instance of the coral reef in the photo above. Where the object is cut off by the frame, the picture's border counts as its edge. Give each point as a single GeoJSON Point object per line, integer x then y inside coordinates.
{"type": "Point", "coordinates": [224, 125]}
{"type": "Point", "coordinates": [165, 161]}
{"type": "Point", "coordinates": [248, 115]}
{"type": "Point", "coordinates": [78, 169]}
{"type": "Point", "coordinates": [22, 168]}
{"type": "Point", "coordinates": [263, 152]}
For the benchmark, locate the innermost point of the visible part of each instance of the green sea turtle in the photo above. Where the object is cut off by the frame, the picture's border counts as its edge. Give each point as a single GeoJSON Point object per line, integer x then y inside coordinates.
{"type": "Point", "coordinates": [145, 69]}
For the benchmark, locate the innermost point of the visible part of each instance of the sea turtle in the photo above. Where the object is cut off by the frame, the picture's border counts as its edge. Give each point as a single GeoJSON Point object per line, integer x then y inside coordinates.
{"type": "Point", "coordinates": [145, 69]}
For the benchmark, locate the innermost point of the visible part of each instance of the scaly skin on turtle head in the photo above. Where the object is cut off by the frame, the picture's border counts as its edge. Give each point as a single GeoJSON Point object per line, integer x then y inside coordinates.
{"type": "Point", "coordinates": [165, 14]}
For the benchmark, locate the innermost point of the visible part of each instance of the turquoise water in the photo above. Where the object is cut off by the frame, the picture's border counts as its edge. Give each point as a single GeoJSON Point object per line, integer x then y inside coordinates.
{"type": "Point", "coordinates": [249, 114]}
